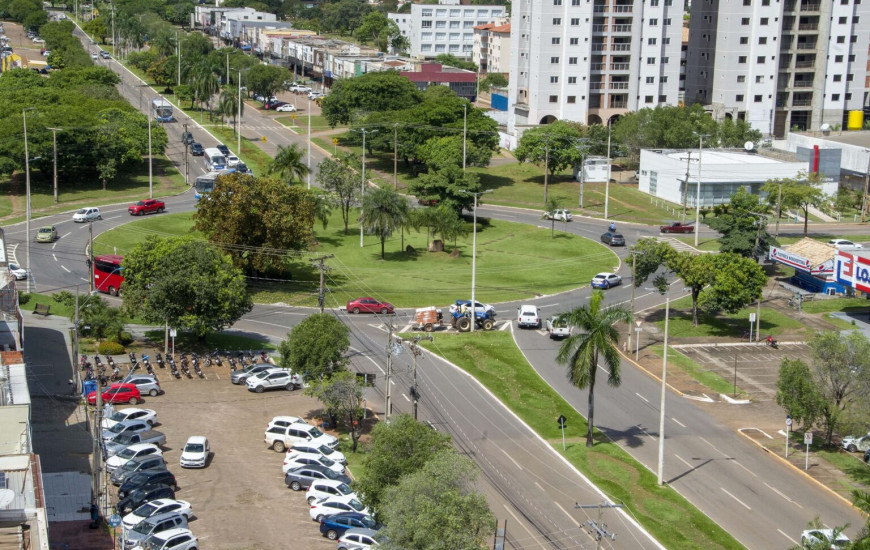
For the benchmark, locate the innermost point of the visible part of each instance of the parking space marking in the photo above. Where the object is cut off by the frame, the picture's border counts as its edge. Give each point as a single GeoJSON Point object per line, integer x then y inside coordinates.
{"type": "Point", "coordinates": [577, 523]}
{"type": "Point", "coordinates": [405, 396]}
{"type": "Point", "coordinates": [54, 256]}
{"type": "Point", "coordinates": [517, 464]}
{"type": "Point", "coordinates": [64, 268]}
{"type": "Point", "coordinates": [735, 498]}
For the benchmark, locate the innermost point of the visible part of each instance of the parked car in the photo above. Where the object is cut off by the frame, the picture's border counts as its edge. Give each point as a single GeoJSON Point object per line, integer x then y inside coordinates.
{"type": "Point", "coordinates": [613, 239]}
{"type": "Point", "coordinates": [272, 105]}
{"type": "Point", "coordinates": [18, 272]}
{"type": "Point", "coordinates": [150, 526]}
{"type": "Point", "coordinates": [369, 305]}
{"type": "Point", "coordinates": [296, 460]}
{"type": "Point", "coordinates": [240, 376]}
{"type": "Point", "coordinates": [286, 108]}
{"type": "Point", "coordinates": [306, 447]}
{"type": "Point", "coordinates": [606, 280]}
{"type": "Point", "coordinates": [122, 441]}
{"type": "Point", "coordinates": [137, 465]}
{"type": "Point", "coordinates": [559, 215]}
{"type": "Point", "coordinates": [273, 379]}
{"type": "Point", "coordinates": [332, 527]}
{"type": "Point", "coordinates": [147, 206]}
{"type": "Point", "coordinates": [195, 452]}
{"type": "Point", "coordinates": [131, 413]}
{"type": "Point", "coordinates": [357, 539]}
{"type": "Point", "coordinates": [197, 150]}
{"type": "Point", "coordinates": [156, 507]}
{"type": "Point", "coordinates": [478, 307]}
{"type": "Point", "coordinates": [137, 498]}
{"type": "Point", "coordinates": [558, 328]}
{"type": "Point", "coordinates": [146, 383]}
{"type": "Point", "coordinates": [126, 426]}
{"type": "Point", "coordinates": [232, 161]}
{"type": "Point", "coordinates": [173, 539]}
{"type": "Point", "coordinates": [46, 234]}
{"type": "Point", "coordinates": [133, 451]}
{"type": "Point", "coordinates": [301, 477]}
{"type": "Point", "coordinates": [853, 443]}
{"type": "Point", "coordinates": [117, 393]}
{"type": "Point", "coordinates": [225, 151]}
{"type": "Point", "coordinates": [284, 421]}
{"type": "Point", "coordinates": [146, 478]}
{"type": "Point", "coordinates": [279, 437]}
{"type": "Point", "coordinates": [528, 316]}
{"type": "Point", "coordinates": [336, 505]}
{"type": "Point", "coordinates": [677, 227]}
{"type": "Point", "coordinates": [811, 538]}
{"type": "Point", "coordinates": [844, 244]}
{"type": "Point", "coordinates": [326, 488]}
{"type": "Point", "coordinates": [316, 95]}
{"type": "Point", "coordinates": [299, 89]}
{"type": "Point", "coordinates": [88, 214]}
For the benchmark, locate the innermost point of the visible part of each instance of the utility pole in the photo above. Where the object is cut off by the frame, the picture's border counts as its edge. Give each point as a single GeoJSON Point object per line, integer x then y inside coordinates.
{"type": "Point", "coordinates": [866, 189]}
{"type": "Point", "coordinates": [779, 203]}
{"type": "Point", "coordinates": [54, 156]}
{"type": "Point", "coordinates": [362, 189]}
{"type": "Point", "coordinates": [633, 275]}
{"type": "Point", "coordinates": [698, 193]}
{"type": "Point", "coordinates": [395, 157]}
{"type": "Point", "coordinates": [415, 351]}
{"type": "Point", "coordinates": [186, 158]}
{"type": "Point", "coordinates": [607, 183]}
{"type": "Point", "coordinates": [239, 128]}
{"type": "Point", "coordinates": [388, 404]}
{"type": "Point", "coordinates": [598, 528]}
{"type": "Point", "coordinates": [97, 451]}
{"type": "Point", "coordinates": [309, 142]}
{"type": "Point", "coordinates": [150, 169]}
{"type": "Point", "coordinates": [76, 380]}
{"type": "Point", "coordinates": [547, 167]}
{"type": "Point", "coordinates": [91, 281]}
{"type": "Point", "coordinates": [27, 181]}
{"type": "Point", "coordinates": [465, 134]}
{"type": "Point", "coordinates": [323, 268]}
{"type": "Point", "coordinates": [686, 187]}
{"type": "Point", "coordinates": [178, 55]}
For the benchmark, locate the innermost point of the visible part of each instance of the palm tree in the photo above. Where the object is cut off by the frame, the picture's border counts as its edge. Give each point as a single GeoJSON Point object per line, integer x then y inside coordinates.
{"type": "Point", "coordinates": [322, 209]}
{"type": "Point", "coordinates": [228, 105]}
{"type": "Point", "coordinates": [596, 336]}
{"type": "Point", "coordinates": [288, 164]}
{"type": "Point", "coordinates": [383, 211]}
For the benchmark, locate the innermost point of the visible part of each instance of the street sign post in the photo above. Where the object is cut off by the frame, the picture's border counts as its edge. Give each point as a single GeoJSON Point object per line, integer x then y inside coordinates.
{"type": "Point", "coordinates": [751, 324]}
{"type": "Point", "coordinates": [637, 341]}
{"type": "Point", "coordinates": [788, 423]}
{"type": "Point", "coordinates": [808, 440]}
{"type": "Point", "coordinates": [561, 420]}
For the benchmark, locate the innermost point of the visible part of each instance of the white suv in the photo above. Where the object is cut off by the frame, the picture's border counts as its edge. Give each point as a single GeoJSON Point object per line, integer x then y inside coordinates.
{"type": "Point", "coordinates": [325, 488]}
{"type": "Point", "coordinates": [87, 214]}
{"type": "Point", "coordinates": [195, 452]}
{"type": "Point", "coordinates": [281, 437]}
{"type": "Point", "coordinates": [273, 379]}
{"type": "Point", "coordinates": [173, 539]}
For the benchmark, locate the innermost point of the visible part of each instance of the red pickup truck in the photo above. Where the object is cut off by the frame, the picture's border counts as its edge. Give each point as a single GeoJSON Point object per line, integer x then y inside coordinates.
{"type": "Point", "coordinates": [677, 227]}
{"type": "Point", "coordinates": [146, 207]}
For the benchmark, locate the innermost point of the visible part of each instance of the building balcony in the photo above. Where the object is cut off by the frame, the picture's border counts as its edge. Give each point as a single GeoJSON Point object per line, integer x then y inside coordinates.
{"type": "Point", "coordinates": [596, 67]}
{"type": "Point", "coordinates": [806, 45]}
{"type": "Point", "coordinates": [621, 28]}
{"type": "Point", "coordinates": [620, 47]}
{"type": "Point", "coordinates": [596, 85]}
{"type": "Point", "coordinates": [810, 6]}
{"type": "Point", "coordinates": [801, 102]}
{"type": "Point", "coordinates": [619, 66]}
{"type": "Point", "coordinates": [618, 103]}
{"type": "Point", "coordinates": [599, 47]}
{"type": "Point", "coordinates": [600, 28]}
{"type": "Point", "coordinates": [805, 64]}
{"type": "Point", "coordinates": [808, 27]}
{"type": "Point", "coordinates": [613, 9]}
{"type": "Point", "coordinates": [802, 84]}
{"type": "Point", "coordinates": [618, 86]}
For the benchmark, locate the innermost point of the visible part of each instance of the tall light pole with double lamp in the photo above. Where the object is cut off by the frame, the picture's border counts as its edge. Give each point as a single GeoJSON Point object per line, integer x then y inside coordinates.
{"type": "Point", "coordinates": [662, 287]}
{"type": "Point", "coordinates": [27, 189]}
{"type": "Point", "coordinates": [474, 257]}
{"type": "Point", "coordinates": [698, 193]}
{"type": "Point", "coordinates": [362, 189]}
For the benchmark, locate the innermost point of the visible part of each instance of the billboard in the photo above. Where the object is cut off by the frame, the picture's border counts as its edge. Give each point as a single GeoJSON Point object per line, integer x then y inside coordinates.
{"type": "Point", "coordinates": [800, 263]}
{"type": "Point", "coordinates": [853, 270]}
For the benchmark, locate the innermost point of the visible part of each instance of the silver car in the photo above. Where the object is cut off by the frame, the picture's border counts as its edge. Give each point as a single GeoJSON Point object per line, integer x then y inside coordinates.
{"type": "Point", "coordinates": [150, 526]}
{"type": "Point", "coordinates": [146, 383]}
{"type": "Point", "coordinates": [239, 376]}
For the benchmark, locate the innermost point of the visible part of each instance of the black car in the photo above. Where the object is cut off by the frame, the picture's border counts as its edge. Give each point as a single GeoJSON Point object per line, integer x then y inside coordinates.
{"type": "Point", "coordinates": [197, 150]}
{"type": "Point", "coordinates": [187, 137]}
{"type": "Point", "coordinates": [613, 239]}
{"type": "Point", "coordinates": [272, 105]}
{"type": "Point", "coordinates": [145, 479]}
{"type": "Point", "coordinates": [225, 151]}
{"type": "Point", "coordinates": [867, 456]}
{"type": "Point", "coordinates": [140, 496]}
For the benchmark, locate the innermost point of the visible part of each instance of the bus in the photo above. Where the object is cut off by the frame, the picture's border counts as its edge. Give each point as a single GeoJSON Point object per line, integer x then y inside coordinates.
{"type": "Point", "coordinates": [162, 110]}
{"type": "Point", "coordinates": [214, 159]}
{"type": "Point", "coordinates": [107, 273]}
{"type": "Point", "coordinates": [204, 184]}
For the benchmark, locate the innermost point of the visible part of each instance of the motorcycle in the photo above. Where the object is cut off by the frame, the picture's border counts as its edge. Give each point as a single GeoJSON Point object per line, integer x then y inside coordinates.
{"type": "Point", "coordinates": [147, 363]}
{"type": "Point", "coordinates": [174, 368]}
{"type": "Point", "coordinates": [132, 356]}
{"type": "Point", "coordinates": [116, 374]}
{"type": "Point", "coordinates": [98, 362]}
{"type": "Point", "coordinates": [84, 363]}
{"type": "Point", "coordinates": [232, 364]}
{"type": "Point", "coordinates": [771, 341]}
{"type": "Point", "coordinates": [216, 358]}
{"type": "Point", "coordinates": [198, 370]}
{"type": "Point", "coordinates": [160, 361]}
{"type": "Point", "coordinates": [110, 361]}
{"type": "Point", "coordinates": [264, 358]}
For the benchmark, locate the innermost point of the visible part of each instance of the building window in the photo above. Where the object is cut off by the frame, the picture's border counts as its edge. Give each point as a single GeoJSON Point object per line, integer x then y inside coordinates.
{"type": "Point", "coordinates": [667, 40]}
{"type": "Point", "coordinates": [574, 41]}
{"type": "Point", "coordinates": [575, 21]}
{"type": "Point", "coordinates": [764, 20]}
{"type": "Point", "coordinates": [849, 77]}
{"type": "Point", "coordinates": [843, 20]}
{"type": "Point", "coordinates": [663, 99]}
{"type": "Point", "coordinates": [852, 58]}
{"type": "Point", "coordinates": [440, 36]}
{"type": "Point", "coordinates": [425, 24]}
{"type": "Point", "coordinates": [838, 59]}
{"type": "Point", "coordinates": [841, 40]}
{"type": "Point", "coordinates": [758, 98]}
{"type": "Point", "coordinates": [557, 20]}
{"type": "Point", "coordinates": [427, 13]}
{"type": "Point", "coordinates": [667, 20]}
{"type": "Point", "coordinates": [440, 24]}
{"type": "Point", "coordinates": [739, 97]}
{"type": "Point", "coordinates": [572, 80]}
{"type": "Point", "coordinates": [454, 48]}
{"type": "Point", "coordinates": [439, 48]}
{"type": "Point", "coordinates": [468, 24]}
{"type": "Point", "coordinates": [557, 2]}
{"type": "Point", "coordinates": [554, 80]}
{"type": "Point", "coordinates": [747, 2]}
{"type": "Point", "coordinates": [744, 21]}
{"type": "Point", "coordinates": [554, 60]}
{"type": "Point", "coordinates": [650, 80]}
{"type": "Point", "coordinates": [572, 99]}
{"type": "Point", "coordinates": [665, 60]}
{"type": "Point", "coordinates": [572, 61]}
{"type": "Point", "coordinates": [454, 24]}
{"type": "Point", "coordinates": [762, 40]}
{"type": "Point", "coordinates": [653, 22]}
{"type": "Point", "coordinates": [648, 99]}
{"type": "Point", "coordinates": [663, 80]}
{"type": "Point", "coordinates": [575, 2]}
{"type": "Point", "coordinates": [744, 40]}
{"type": "Point", "coordinates": [849, 96]}
{"type": "Point", "coordinates": [554, 99]}
{"type": "Point", "coordinates": [425, 47]}
{"type": "Point", "coordinates": [651, 41]}
{"type": "Point", "coordinates": [741, 78]}
{"type": "Point", "coordinates": [759, 79]}
{"type": "Point", "coordinates": [759, 59]}
{"type": "Point", "coordinates": [650, 60]}
{"type": "Point", "coordinates": [653, 3]}
{"type": "Point", "coordinates": [838, 78]}
{"type": "Point", "coordinates": [556, 40]}
{"type": "Point", "coordinates": [455, 13]}
{"type": "Point", "coordinates": [741, 59]}
{"type": "Point", "coordinates": [835, 97]}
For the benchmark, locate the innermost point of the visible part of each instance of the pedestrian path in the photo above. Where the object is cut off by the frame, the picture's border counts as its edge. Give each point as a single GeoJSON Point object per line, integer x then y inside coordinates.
{"type": "Point", "coordinates": [680, 246]}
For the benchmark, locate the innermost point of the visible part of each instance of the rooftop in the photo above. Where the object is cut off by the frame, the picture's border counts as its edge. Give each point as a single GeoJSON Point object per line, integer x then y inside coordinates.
{"type": "Point", "coordinates": [859, 139]}
{"type": "Point", "coordinates": [815, 251]}
{"type": "Point", "coordinates": [720, 156]}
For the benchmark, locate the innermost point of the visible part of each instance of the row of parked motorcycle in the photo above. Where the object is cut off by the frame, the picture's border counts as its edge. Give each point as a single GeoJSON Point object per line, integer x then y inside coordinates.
{"type": "Point", "coordinates": [110, 372]}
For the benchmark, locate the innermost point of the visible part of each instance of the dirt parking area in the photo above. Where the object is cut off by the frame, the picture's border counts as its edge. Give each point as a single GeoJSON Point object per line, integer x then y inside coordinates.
{"type": "Point", "coordinates": [239, 500]}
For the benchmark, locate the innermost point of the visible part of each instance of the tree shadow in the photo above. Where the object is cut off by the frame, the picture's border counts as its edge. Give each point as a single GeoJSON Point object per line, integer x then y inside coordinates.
{"type": "Point", "coordinates": [492, 181]}
{"type": "Point", "coordinates": [633, 437]}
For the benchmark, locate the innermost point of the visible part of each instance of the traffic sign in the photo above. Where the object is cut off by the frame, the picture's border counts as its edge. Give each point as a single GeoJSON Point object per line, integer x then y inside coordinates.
{"type": "Point", "coordinates": [788, 421]}
{"type": "Point", "coordinates": [808, 438]}
{"type": "Point", "coordinates": [561, 420]}
{"type": "Point", "coordinates": [751, 317]}
{"type": "Point", "coordinates": [114, 520]}
{"type": "Point", "coordinates": [173, 333]}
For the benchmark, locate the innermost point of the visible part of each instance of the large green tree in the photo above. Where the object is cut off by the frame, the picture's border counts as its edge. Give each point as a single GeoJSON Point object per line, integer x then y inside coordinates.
{"type": "Point", "coordinates": [342, 17]}
{"type": "Point", "coordinates": [266, 80]}
{"type": "Point", "coordinates": [377, 28]}
{"type": "Point", "coordinates": [800, 192]}
{"type": "Point", "coordinates": [797, 393]}
{"type": "Point", "coordinates": [258, 219]}
{"type": "Point", "coordinates": [668, 127]}
{"type": "Point", "coordinates": [743, 226]}
{"type": "Point", "coordinates": [397, 449]}
{"type": "Point", "coordinates": [449, 185]}
{"type": "Point", "coordinates": [186, 283]}
{"type": "Point", "coordinates": [288, 164]}
{"type": "Point", "coordinates": [555, 146]}
{"type": "Point", "coordinates": [342, 395]}
{"type": "Point", "coordinates": [315, 347]}
{"type": "Point", "coordinates": [369, 93]}
{"type": "Point", "coordinates": [441, 493]}
{"type": "Point", "coordinates": [383, 212]}
{"type": "Point", "coordinates": [339, 178]}
{"type": "Point", "coordinates": [596, 337]}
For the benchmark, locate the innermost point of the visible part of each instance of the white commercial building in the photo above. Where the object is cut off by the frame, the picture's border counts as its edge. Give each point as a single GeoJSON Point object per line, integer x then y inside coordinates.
{"type": "Point", "coordinates": [444, 28]}
{"type": "Point", "coordinates": [779, 64]}
{"type": "Point", "coordinates": [663, 173]}
{"type": "Point", "coordinates": [588, 61]}
{"type": "Point", "coordinates": [492, 47]}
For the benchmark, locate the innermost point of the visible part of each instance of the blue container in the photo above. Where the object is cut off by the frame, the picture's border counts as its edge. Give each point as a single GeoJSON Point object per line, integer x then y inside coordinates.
{"type": "Point", "coordinates": [88, 386]}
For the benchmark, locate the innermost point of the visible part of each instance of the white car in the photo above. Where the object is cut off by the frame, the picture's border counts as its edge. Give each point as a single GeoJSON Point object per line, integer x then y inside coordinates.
{"type": "Point", "coordinates": [232, 160]}
{"type": "Point", "coordinates": [145, 383]}
{"type": "Point", "coordinates": [131, 452]}
{"type": "Point", "coordinates": [307, 447]}
{"type": "Point", "coordinates": [95, 56]}
{"type": "Point", "coordinates": [299, 89]}
{"type": "Point", "coordinates": [286, 108]}
{"type": "Point", "coordinates": [844, 244]}
{"type": "Point", "coordinates": [357, 538]}
{"type": "Point", "coordinates": [314, 95]}
{"type": "Point", "coordinates": [126, 427]}
{"type": "Point", "coordinates": [18, 272]}
{"type": "Point", "coordinates": [273, 379]}
{"type": "Point", "coordinates": [88, 214]}
{"type": "Point", "coordinates": [132, 413]}
{"type": "Point", "coordinates": [295, 460]}
{"type": "Point", "coordinates": [528, 316]}
{"type": "Point", "coordinates": [284, 421]}
{"type": "Point", "coordinates": [173, 539]}
{"type": "Point", "coordinates": [336, 505]}
{"type": "Point", "coordinates": [159, 506]}
{"type": "Point", "coordinates": [856, 443]}
{"type": "Point", "coordinates": [812, 537]}
{"type": "Point", "coordinates": [559, 215]}
{"type": "Point", "coordinates": [281, 437]}
{"type": "Point", "coordinates": [606, 280]}
{"type": "Point", "coordinates": [322, 489]}
{"type": "Point", "coordinates": [195, 452]}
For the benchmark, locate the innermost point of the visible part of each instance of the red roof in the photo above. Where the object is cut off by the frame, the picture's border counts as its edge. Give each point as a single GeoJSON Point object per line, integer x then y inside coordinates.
{"type": "Point", "coordinates": [432, 72]}
{"type": "Point", "coordinates": [502, 28]}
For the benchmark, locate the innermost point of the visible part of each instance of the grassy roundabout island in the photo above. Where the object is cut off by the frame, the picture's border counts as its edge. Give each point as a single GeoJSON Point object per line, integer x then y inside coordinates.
{"type": "Point", "coordinates": [514, 261]}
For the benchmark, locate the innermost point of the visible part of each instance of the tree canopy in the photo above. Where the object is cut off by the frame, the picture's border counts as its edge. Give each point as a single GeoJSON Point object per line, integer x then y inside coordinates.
{"type": "Point", "coordinates": [800, 192]}
{"type": "Point", "coordinates": [342, 395]}
{"type": "Point", "coordinates": [315, 347]}
{"type": "Point", "coordinates": [338, 176]}
{"type": "Point", "coordinates": [557, 144]}
{"type": "Point", "coordinates": [743, 223]}
{"type": "Point", "coordinates": [383, 212]}
{"type": "Point", "coordinates": [369, 93]}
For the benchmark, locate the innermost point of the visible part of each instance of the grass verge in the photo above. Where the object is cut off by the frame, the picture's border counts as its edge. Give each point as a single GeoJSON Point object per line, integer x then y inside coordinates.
{"type": "Point", "coordinates": [697, 372]}
{"type": "Point", "coordinates": [57, 308]}
{"type": "Point", "coordinates": [723, 325]}
{"type": "Point", "coordinates": [851, 305]}
{"type": "Point", "coordinates": [494, 360]}
{"type": "Point", "coordinates": [188, 342]}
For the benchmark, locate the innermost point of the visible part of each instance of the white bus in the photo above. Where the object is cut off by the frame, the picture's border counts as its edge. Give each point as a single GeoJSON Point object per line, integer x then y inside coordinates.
{"type": "Point", "coordinates": [162, 110]}
{"type": "Point", "coordinates": [214, 160]}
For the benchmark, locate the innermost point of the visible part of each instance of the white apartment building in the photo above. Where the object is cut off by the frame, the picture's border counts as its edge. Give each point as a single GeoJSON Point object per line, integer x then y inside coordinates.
{"type": "Point", "coordinates": [492, 47]}
{"type": "Point", "coordinates": [444, 28]}
{"type": "Point", "coordinates": [779, 64]}
{"type": "Point", "coordinates": [591, 60]}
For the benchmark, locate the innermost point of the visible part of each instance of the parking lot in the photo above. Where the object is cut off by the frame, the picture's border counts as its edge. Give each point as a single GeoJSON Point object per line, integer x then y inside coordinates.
{"type": "Point", "coordinates": [239, 500]}
{"type": "Point", "coordinates": [756, 365]}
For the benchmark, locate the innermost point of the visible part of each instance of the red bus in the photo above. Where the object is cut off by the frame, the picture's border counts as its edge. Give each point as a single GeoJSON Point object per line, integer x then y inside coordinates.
{"type": "Point", "coordinates": [107, 273]}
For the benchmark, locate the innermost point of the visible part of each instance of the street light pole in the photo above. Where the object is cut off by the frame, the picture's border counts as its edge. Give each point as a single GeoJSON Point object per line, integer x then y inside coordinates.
{"type": "Point", "coordinates": [309, 143]}
{"type": "Point", "coordinates": [27, 188]}
{"type": "Point", "coordinates": [464, 133]}
{"type": "Point", "coordinates": [239, 118]}
{"type": "Point", "coordinates": [698, 193]}
{"type": "Point", "coordinates": [474, 258]}
{"type": "Point", "coordinates": [362, 190]}
{"type": "Point", "coordinates": [54, 157]}
{"type": "Point", "coordinates": [607, 183]}
{"type": "Point", "coordinates": [866, 188]}
{"type": "Point", "coordinates": [150, 168]}
{"type": "Point", "coordinates": [664, 390]}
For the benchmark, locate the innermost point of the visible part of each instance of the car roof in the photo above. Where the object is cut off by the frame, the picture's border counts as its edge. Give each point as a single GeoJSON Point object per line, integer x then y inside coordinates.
{"type": "Point", "coordinates": [197, 439]}
{"type": "Point", "coordinates": [331, 482]}
{"type": "Point", "coordinates": [604, 274]}
{"type": "Point", "coordinates": [169, 533]}
{"type": "Point", "coordinates": [360, 531]}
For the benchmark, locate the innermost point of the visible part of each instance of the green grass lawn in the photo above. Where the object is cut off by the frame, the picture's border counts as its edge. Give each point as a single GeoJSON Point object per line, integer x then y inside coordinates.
{"type": "Point", "coordinates": [696, 371]}
{"type": "Point", "coordinates": [300, 123]}
{"type": "Point", "coordinates": [57, 308]}
{"type": "Point", "coordinates": [188, 342]}
{"type": "Point", "coordinates": [726, 325]}
{"type": "Point", "coordinates": [494, 360]}
{"type": "Point", "coordinates": [513, 261]}
{"type": "Point", "coordinates": [855, 305]}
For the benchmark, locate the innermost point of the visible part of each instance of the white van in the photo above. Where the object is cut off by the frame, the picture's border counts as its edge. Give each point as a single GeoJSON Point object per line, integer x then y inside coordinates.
{"type": "Point", "coordinates": [195, 453]}
{"type": "Point", "coordinates": [214, 160]}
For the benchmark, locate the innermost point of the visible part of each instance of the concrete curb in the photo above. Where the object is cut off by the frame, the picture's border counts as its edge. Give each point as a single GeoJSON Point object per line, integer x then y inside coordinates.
{"type": "Point", "coordinates": [650, 374]}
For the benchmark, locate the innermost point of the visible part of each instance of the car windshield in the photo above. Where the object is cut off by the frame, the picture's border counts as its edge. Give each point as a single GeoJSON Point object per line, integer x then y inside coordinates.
{"type": "Point", "coordinates": [194, 448]}
{"type": "Point", "coordinates": [325, 451]}
{"type": "Point", "coordinates": [127, 453]}
{"type": "Point", "coordinates": [326, 462]}
{"type": "Point", "coordinates": [146, 510]}
{"type": "Point", "coordinates": [368, 522]}
{"type": "Point", "coordinates": [118, 416]}
{"type": "Point", "coordinates": [355, 504]}
{"type": "Point", "coordinates": [344, 489]}
{"type": "Point", "coordinates": [45, 230]}
{"type": "Point", "coordinates": [81, 211]}
{"type": "Point", "coordinates": [330, 474]}
{"type": "Point", "coordinates": [131, 465]}
{"type": "Point", "coordinates": [143, 528]}
{"type": "Point", "coordinates": [140, 203]}
{"type": "Point", "coordinates": [617, 236]}
{"type": "Point", "coordinates": [117, 428]}
{"type": "Point", "coordinates": [315, 432]}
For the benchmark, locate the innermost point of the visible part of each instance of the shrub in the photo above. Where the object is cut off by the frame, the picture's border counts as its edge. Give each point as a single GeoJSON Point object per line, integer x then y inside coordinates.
{"type": "Point", "coordinates": [125, 338]}
{"type": "Point", "coordinates": [23, 298]}
{"type": "Point", "coordinates": [65, 297]}
{"type": "Point", "coordinates": [110, 348]}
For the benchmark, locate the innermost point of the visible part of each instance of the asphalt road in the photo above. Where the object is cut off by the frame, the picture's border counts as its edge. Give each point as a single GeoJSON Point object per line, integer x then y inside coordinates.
{"type": "Point", "coordinates": [763, 503]}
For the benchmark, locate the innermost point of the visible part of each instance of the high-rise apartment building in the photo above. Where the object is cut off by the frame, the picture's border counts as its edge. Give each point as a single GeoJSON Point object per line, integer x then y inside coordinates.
{"type": "Point", "coordinates": [444, 28]}
{"type": "Point", "coordinates": [779, 64]}
{"type": "Point", "coordinates": [590, 60]}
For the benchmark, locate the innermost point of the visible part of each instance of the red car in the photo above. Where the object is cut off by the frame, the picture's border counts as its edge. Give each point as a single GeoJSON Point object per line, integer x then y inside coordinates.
{"type": "Point", "coordinates": [677, 227]}
{"type": "Point", "coordinates": [147, 206]}
{"type": "Point", "coordinates": [117, 393]}
{"type": "Point", "coordinates": [369, 305]}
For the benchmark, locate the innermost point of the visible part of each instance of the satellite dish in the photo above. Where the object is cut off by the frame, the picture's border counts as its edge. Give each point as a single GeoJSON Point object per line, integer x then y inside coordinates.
{"type": "Point", "coordinates": [6, 497]}
{"type": "Point", "coordinates": [826, 127]}
{"type": "Point", "coordinates": [749, 146]}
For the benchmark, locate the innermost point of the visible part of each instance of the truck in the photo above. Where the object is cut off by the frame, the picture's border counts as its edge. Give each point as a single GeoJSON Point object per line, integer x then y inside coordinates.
{"type": "Point", "coordinates": [677, 227]}
{"type": "Point", "coordinates": [121, 442]}
{"type": "Point", "coordinates": [557, 328]}
{"type": "Point", "coordinates": [427, 318]}
{"type": "Point", "coordinates": [461, 311]}
{"type": "Point", "coordinates": [148, 206]}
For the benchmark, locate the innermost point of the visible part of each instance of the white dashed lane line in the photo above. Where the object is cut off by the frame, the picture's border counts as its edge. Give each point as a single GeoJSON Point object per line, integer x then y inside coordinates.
{"type": "Point", "coordinates": [64, 268]}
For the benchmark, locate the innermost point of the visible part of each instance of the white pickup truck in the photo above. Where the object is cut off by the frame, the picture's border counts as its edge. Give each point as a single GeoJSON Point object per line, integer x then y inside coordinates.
{"type": "Point", "coordinates": [557, 329]}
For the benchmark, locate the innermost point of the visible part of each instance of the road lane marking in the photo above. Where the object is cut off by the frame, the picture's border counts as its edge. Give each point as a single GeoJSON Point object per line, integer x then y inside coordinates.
{"type": "Point", "coordinates": [517, 464]}
{"type": "Point", "coordinates": [780, 493]}
{"type": "Point", "coordinates": [64, 268]}
{"type": "Point", "coordinates": [83, 279]}
{"type": "Point", "coordinates": [745, 468]}
{"type": "Point", "coordinates": [714, 446]}
{"type": "Point", "coordinates": [406, 397]}
{"type": "Point", "coordinates": [262, 322]}
{"type": "Point", "coordinates": [642, 397]}
{"type": "Point", "coordinates": [549, 305]}
{"type": "Point", "coordinates": [735, 498]}
{"type": "Point", "coordinates": [678, 422]}
{"type": "Point", "coordinates": [112, 218]}
{"type": "Point", "coordinates": [538, 485]}
{"type": "Point", "coordinates": [684, 462]}
{"type": "Point", "coordinates": [375, 363]}
{"type": "Point", "coordinates": [66, 235]}
{"type": "Point", "coordinates": [516, 519]}
{"type": "Point", "coordinates": [577, 523]}
{"type": "Point", "coordinates": [788, 537]}
{"type": "Point", "coordinates": [54, 256]}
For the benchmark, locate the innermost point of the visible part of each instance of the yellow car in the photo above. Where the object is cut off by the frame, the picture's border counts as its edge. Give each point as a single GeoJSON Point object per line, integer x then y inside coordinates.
{"type": "Point", "coordinates": [46, 234]}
